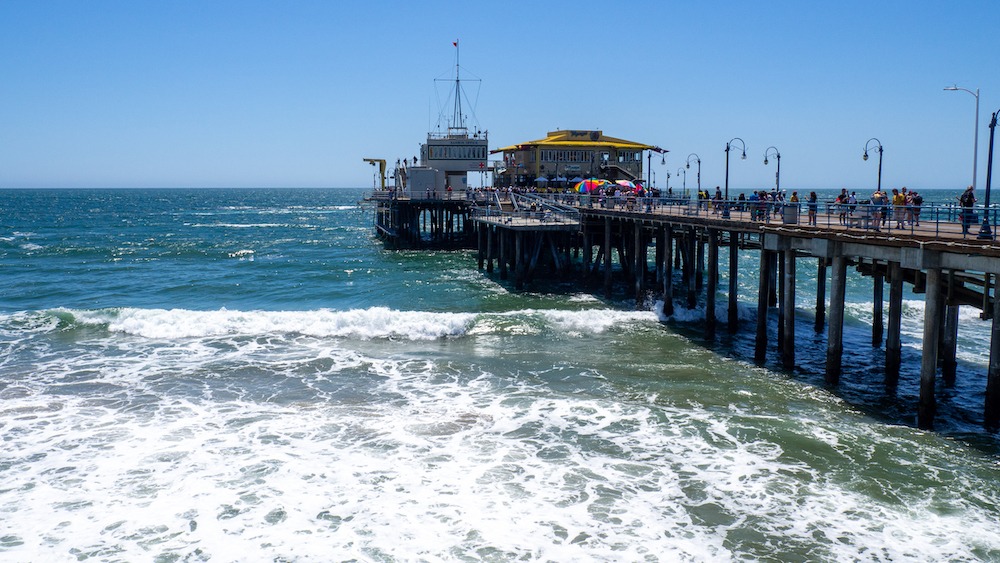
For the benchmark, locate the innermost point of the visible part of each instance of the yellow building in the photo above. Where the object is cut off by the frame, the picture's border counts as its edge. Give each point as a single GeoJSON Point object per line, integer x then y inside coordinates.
{"type": "Point", "coordinates": [564, 155]}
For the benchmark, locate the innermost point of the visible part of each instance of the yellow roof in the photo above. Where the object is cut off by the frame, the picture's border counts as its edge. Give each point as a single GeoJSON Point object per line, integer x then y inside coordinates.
{"type": "Point", "coordinates": [571, 138]}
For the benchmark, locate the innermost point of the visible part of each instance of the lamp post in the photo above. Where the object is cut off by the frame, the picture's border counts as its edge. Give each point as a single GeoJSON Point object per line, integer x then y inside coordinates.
{"type": "Point", "coordinates": [985, 231]}
{"type": "Point", "coordinates": [680, 171]}
{"type": "Point", "coordinates": [865, 157]}
{"type": "Point", "coordinates": [777, 158]}
{"type": "Point", "coordinates": [725, 207]}
{"type": "Point", "coordinates": [975, 140]}
{"type": "Point", "coordinates": [688, 165]}
{"type": "Point", "coordinates": [649, 168]}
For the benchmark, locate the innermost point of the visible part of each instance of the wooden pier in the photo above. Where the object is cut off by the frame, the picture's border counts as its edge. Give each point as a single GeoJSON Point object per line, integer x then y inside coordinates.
{"type": "Point", "coordinates": [613, 242]}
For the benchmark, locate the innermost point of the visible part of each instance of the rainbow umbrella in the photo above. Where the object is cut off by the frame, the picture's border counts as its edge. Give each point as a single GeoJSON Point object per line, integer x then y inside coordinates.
{"type": "Point", "coordinates": [625, 184]}
{"type": "Point", "coordinates": [589, 185]}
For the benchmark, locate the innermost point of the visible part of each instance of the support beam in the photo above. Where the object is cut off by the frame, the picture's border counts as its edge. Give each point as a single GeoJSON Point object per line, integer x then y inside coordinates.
{"type": "Point", "coordinates": [893, 345]}
{"type": "Point", "coordinates": [700, 268]}
{"type": "Point", "coordinates": [690, 270]}
{"type": "Point", "coordinates": [788, 347]}
{"type": "Point", "coordinates": [713, 282]}
{"type": "Point", "coordinates": [490, 235]}
{"type": "Point", "coordinates": [991, 418]}
{"type": "Point", "coordinates": [607, 257]}
{"type": "Point", "coordinates": [760, 347]}
{"type": "Point", "coordinates": [519, 260]}
{"type": "Point", "coordinates": [734, 270]}
{"type": "Point", "coordinates": [780, 256]}
{"type": "Point", "coordinates": [835, 329]}
{"type": "Point", "coordinates": [928, 364]}
{"type": "Point", "coordinates": [668, 271]}
{"type": "Point", "coordinates": [639, 267]}
{"type": "Point", "coordinates": [949, 340]}
{"type": "Point", "coordinates": [820, 295]}
{"type": "Point", "coordinates": [878, 296]}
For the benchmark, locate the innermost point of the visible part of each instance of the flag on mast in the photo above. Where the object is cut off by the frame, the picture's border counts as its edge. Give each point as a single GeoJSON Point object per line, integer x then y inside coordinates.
{"type": "Point", "coordinates": [455, 42]}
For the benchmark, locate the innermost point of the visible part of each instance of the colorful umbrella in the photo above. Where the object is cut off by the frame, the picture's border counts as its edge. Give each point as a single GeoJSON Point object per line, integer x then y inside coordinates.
{"type": "Point", "coordinates": [625, 184]}
{"type": "Point", "coordinates": [589, 185]}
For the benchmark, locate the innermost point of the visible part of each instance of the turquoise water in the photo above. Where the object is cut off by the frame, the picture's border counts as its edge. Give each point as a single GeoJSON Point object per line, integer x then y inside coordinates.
{"type": "Point", "coordinates": [243, 375]}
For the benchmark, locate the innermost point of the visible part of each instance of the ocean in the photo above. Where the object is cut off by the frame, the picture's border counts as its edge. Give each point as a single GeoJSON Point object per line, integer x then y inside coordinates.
{"type": "Point", "coordinates": [248, 375]}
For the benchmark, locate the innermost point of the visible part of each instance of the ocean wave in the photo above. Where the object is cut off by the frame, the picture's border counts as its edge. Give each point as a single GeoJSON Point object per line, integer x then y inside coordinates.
{"type": "Point", "coordinates": [365, 324]}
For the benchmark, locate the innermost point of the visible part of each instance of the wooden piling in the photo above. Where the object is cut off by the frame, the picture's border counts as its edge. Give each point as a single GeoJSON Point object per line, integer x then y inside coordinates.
{"type": "Point", "coordinates": [820, 294]}
{"type": "Point", "coordinates": [713, 282]}
{"type": "Point", "coordinates": [878, 295]}
{"type": "Point", "coordinates": [733, 279]}
{"type": "Point", "coordinates": [788, 347]}
{"type": "Point", "coordinates": [928, 364]}
{"type": "Point", "coordinates": [760, 346]}
{"type": "Point", "coordinates": [835, 327]}
{"type": "Point", "coordinates": [668, 271]}
{"type": "Point", "coordinates": [893, 344]}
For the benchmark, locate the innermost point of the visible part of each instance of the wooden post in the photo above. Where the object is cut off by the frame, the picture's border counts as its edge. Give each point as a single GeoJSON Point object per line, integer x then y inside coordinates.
{"type": "Point", "coordinates": [949, 351]}
{"type": "Point", "coordinates": [700, 267]}
{"type": "Point", "coordinates": [480, 246]}
{"type": "Point", "coordinates": [519, 260]}
{"type": "Point", "coordinates": [733, 278]}
{"type": "Point", "coordinates": [658, 260]}
{"type": "Point", "coordinates": [668, 271]}
{"type": "Point", "coordinates": [893, 345]}
{"type": "Point", "coordinates": [781, 257]}
{"type": "Point", "coordinates": [713, 282]}
{"type": "Point", "coordinates": [491, 233]}
{"type": "Point", "coordinates": [991, 417]}
{"type": "Point", "coordinates": [928, 364]}
{"type": "Point", "coordinates": [760, 347]}
{"type": "Point", "coordinates": [877, 298]}
{"type": "Point", "coordinates": [607, 257]}
{"type": "Point", "coordinates": [640, 263]}
{"type": "Point", "coordinates": [504, 242]}
{"type": "Point", "coordinates": [820, 295]}
{"type": "Point", "coordinates": [772, 283]}
{"type": "Point", "coordinates": [788, 348]}
{"type": "Point", "coordinates": [835, 329]}
{"type": "Point", "coordinates": [690, 269]}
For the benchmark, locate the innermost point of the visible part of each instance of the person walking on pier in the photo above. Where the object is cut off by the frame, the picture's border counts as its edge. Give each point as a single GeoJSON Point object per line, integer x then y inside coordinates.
{"type": "Point", "coordinates": [812, 204]}
{"type": "Point", "coordinates": [967, 200]}
{"type": "Point", "coordinates": [916, 200]}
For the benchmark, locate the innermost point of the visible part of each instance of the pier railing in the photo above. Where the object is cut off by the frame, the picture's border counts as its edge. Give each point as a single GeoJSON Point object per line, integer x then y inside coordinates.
{"type": "Point", "coordinates": [928, 220]}
{"type": "Point", "coordinates": [523, 208]}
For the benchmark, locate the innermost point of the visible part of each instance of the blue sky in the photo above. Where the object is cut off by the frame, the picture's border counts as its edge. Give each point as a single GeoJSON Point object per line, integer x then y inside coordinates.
{"type": "Point", "coordinates": [217, 94]}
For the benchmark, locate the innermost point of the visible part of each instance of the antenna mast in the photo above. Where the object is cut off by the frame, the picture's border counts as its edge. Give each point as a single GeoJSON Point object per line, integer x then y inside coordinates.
{"type": "Point", "coordinates": [458, 122]}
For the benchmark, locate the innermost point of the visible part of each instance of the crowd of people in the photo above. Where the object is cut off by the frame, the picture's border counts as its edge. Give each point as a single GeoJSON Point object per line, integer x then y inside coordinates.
{"type": "Point", "coordinates": [903, 207]}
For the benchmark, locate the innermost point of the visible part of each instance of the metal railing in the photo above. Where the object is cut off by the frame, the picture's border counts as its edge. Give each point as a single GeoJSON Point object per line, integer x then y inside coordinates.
{"type": "Point", "coordinates": [928, 220]}
{"type": "Point", "coordinates": [934, 220]}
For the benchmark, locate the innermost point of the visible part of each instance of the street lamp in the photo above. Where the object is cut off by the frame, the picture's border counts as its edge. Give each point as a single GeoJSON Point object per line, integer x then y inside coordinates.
{"type": "Point", "coordinates": [688, 165]}
{"type": "Point", "coordinates": [865, 157]}
{"type": "Point", "coordinates": [777, 157]}
{"type": "Point", "coordinates": [725, 207]}
{"type": "Point", "coordinates": [680, 171]}
{"type": "Point", "coordinates": [985, 231]}
{"type": "Point", "coordinates": [975, 140]}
